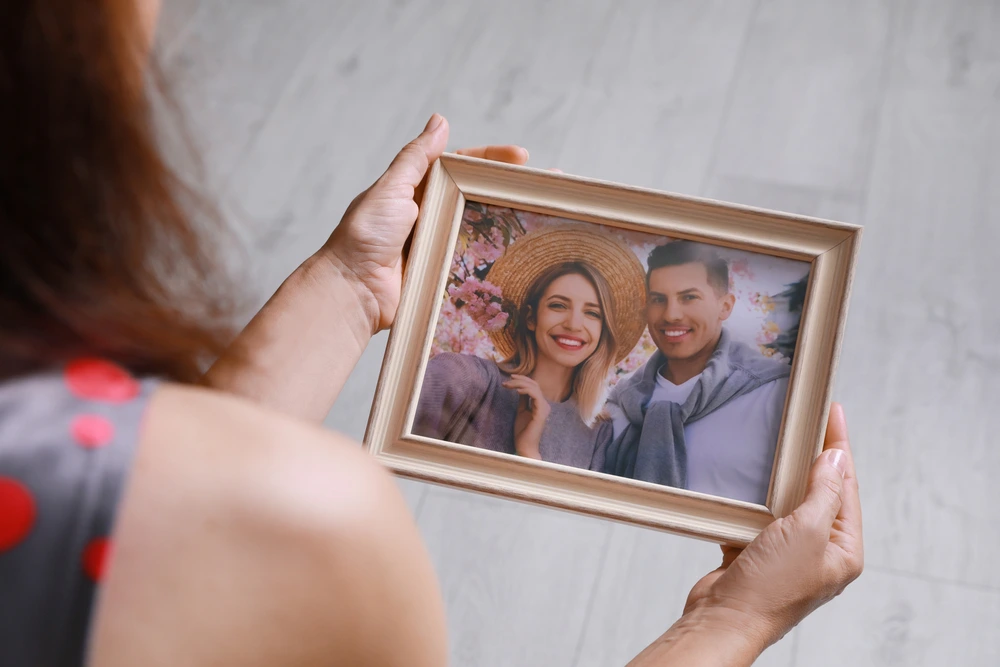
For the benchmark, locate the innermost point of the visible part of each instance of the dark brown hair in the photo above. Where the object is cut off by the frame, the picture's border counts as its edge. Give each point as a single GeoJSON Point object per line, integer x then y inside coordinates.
{"type": "Point", "coordinates": [99, 250]}
{"type": "Point", "coordinates": [677, 253]}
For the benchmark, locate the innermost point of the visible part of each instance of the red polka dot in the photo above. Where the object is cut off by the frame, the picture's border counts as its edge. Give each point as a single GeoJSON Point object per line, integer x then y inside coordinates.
{"type": "Point", "coordinates": [17, 512]}
{"type": "Point", "coordinates": [99, 380]}
{"type": "Point", "coordinates": [95, 558]}
{"type": "Point", "coordinates": [92, 431]}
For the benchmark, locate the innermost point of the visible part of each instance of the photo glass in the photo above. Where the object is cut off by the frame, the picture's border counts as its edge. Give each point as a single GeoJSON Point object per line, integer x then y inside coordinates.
{"type": "Point", "coordinates": [626, 353]}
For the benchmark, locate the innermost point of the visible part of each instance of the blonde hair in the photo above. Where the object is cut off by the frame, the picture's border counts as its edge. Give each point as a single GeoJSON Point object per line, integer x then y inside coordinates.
{"type": "Point", "coordinates": [589, 378]}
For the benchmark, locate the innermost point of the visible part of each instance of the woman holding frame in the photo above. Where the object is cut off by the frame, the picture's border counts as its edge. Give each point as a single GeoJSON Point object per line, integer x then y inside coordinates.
{"type": "Point", "coordinates": [153, 514]}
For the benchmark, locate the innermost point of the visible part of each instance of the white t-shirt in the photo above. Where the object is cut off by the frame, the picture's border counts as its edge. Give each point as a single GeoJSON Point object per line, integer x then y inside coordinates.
{"type": "Point", "coordinates": [730, 452]}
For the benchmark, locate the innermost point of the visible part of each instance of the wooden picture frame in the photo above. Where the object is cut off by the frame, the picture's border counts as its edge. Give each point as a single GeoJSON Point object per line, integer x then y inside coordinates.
{"type": "Point", "coordinates": [830, 247]}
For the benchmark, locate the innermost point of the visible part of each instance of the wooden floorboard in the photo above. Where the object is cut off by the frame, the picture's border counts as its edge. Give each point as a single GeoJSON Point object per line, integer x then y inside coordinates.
{"type": "Point", "coordinates": [882, 112]}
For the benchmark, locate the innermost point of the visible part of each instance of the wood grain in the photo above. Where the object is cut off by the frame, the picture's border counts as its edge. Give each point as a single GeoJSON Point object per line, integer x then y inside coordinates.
{"type": "Point", "coordinates": [644, 583]}
{"type": "Point", "coordinates": [176, 16]}
{"type": "Point", "coordinates": [832, 247]}
{"type": "Point", "coordinates": [655, 89]}
{"type": "Point", "coordinates": [920, 377]}
{"type": "Point", "coordinates": [875, 112]}
{"type": "Point", "coordinates": [805, 102]}
{"type": "Point", "coordinates": [247, 53]}
{"type": "Point", "coordinates": [517, 586]}
{"type": "Point", "coordinates": [891, 619]}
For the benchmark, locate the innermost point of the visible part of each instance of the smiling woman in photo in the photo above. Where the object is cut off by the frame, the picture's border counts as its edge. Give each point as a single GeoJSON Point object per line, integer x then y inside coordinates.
{"type": "Point", "coordinates": [575, 298]}
{"type": "Point", "coordinates": [167, 493]}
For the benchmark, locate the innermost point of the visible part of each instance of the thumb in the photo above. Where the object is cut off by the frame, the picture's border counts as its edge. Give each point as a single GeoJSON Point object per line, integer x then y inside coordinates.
{"type": "Point", "coordinates": [826, 481]}
{"type": "Point", "coordinates": [410, 165]}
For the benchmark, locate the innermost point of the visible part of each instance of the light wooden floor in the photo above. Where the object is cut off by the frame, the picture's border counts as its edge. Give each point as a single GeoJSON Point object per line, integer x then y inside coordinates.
{"type": "Point", "coordinates": [883, 112]}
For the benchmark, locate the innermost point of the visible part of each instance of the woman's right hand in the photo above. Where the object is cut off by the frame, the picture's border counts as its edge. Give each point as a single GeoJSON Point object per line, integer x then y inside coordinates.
{"type": "Point", "coordinates": [367, 247]}
{"type": "Point", "coordinates": [532, 413]}
{"type": "Point", "coordinates": [796, 564]}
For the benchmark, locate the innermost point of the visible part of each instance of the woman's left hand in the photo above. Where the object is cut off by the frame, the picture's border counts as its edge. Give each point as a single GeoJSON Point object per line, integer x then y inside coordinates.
{"type": "Point", "coordinates": [536, 405]}
{"type": "Point", "coordinates": [532, 413]}
{"type": "Point", "coordinates": [796, 564]}
{"type": "Point", "coordinates": [801, 561]}
{"type": "Point", "coordinates": [367, 245]}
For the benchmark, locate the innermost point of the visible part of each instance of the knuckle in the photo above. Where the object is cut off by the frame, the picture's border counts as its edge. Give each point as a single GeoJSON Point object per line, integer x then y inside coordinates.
{"type": "Point", "coordinates": [832, 580]}
{"type": "Point", "coordinates": [409, 149]}
{"type": "Point", "coordinates": [415, 151]}
{"type": "Point", "coordinates": [356, 202]}
{"type": "Point", "coordinates": [855, 566]}
{"type": "Point", "coordinates": [698, 591]}
{"type": "Point", "coordinates": [790, 527]}
{"type": "Point", "coordinates": [829, 486]}
{"type": "Point", "coordinates": [805, 527]}
{"type": "Point", "coordinates": [846, 572]}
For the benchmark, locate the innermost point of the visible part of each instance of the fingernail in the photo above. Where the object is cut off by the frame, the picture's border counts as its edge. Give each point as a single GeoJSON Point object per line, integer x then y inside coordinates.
{"type": "Point", "coordinates": [839, 461]}
{"type": "Point", "coordinates": [434, 123]}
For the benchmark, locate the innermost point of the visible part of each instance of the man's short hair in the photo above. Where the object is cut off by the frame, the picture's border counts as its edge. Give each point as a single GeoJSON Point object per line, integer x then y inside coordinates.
{"type": "Point", "coordinates": [677, 253]}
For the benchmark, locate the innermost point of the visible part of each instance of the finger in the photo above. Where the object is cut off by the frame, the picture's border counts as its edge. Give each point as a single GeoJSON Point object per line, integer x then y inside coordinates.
{"type": "Point", "coordinates": [410, 165]}
{"type": "Point", "coordinates": [508, 153]}
{"type": "Point", "coordinates": [823, 494]}
{"type": "Point", "coordinates": [519, 385]}
{"type": "Point", "coordinates": [525, 390]}
{"type": "Point", "coordinates": [837, 438]}
{"type": "Point", "coordinates": [533, 393]}
{"type": "Point", "coordinates": [522, 379]}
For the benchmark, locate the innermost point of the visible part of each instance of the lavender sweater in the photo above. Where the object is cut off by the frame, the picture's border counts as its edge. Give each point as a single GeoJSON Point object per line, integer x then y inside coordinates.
{"type": "Point", "coordinates": [462, 401]}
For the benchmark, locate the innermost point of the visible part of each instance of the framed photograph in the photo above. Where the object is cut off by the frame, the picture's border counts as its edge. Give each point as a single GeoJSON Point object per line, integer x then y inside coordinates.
{"type": "Point", "coordinates": [616, 351]}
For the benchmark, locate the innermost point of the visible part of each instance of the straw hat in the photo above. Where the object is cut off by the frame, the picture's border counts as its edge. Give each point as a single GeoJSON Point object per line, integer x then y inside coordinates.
{"type": "Point", "coordinates": [532, 254]}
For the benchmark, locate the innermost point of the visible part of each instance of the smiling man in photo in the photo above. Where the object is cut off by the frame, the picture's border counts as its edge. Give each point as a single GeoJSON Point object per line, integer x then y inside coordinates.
{"type": "Point", "coordinates": [704, 411]}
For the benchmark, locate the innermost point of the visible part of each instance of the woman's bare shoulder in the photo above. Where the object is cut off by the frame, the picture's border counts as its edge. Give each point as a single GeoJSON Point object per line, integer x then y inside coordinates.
{"type": "Point", "coordinates": [246, 537]}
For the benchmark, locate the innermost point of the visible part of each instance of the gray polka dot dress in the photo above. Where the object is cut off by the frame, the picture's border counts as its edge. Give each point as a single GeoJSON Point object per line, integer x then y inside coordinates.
{"type": "Point", "coordinates": [66, 445]}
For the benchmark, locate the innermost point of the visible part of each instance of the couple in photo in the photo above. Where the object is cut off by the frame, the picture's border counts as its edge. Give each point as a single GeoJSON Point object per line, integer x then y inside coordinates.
{"type": "Point", "coordinates": [703, 413]}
